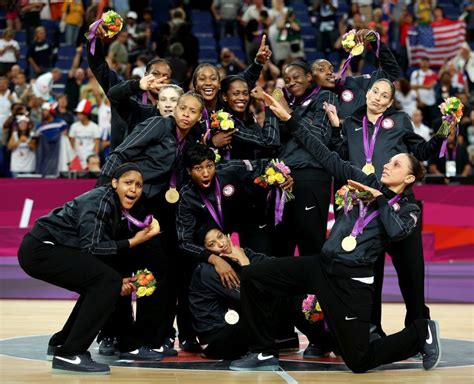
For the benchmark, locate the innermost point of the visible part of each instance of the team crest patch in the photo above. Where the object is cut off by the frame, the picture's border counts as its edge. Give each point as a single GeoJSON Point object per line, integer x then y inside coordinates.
{"type": "Point", "coordinates": [228, 190]}
{"type": "Point", "coordinates": [388, 123]}
{"type": "Point", "coordinates": [396, 207]}
{"type": "Point", "coordinates": [347, 96]}
{"type": "Point", "coordinates": [306, 103]}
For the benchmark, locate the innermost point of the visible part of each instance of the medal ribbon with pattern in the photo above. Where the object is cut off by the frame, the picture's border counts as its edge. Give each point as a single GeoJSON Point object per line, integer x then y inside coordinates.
{"type": "Point", "coordinates": [349, 243]}
{"type": "Point", "coordinates": [369, 146]}
{"type": "Point", "coordinates": [314, 92]}
{"type": "Point", "coordinates": [217, 216]}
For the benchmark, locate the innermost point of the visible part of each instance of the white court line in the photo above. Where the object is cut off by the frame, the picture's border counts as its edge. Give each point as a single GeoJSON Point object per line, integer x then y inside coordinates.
{"type": "Point", "coordinates": [26, 213]}
{"type": "Point", "coordinates": [285, 376]}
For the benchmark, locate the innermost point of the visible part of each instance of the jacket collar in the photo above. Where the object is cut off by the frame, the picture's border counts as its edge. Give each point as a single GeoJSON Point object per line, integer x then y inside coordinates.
{"type": "Point", "coordinates": [361, 111]}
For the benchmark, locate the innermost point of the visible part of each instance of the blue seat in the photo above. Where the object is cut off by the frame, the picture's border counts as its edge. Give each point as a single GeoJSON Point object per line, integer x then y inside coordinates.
{"type": "Point", "coordinates": [309, 42]}
{"type": "Point", "coordinates": [232, 43]}
{"type": "Point", "coordinates": [64, 64]}
{"type": "Point", "coordinates": [312, 56]}
{"type": "Point", "coordinates": [368, 68]}
{"type": "Point", "coordinates": [201, 16]}
{"type": "Point", "coordinates": [308, 31]}
{"type": "Point", "coordinates": [207, 42]}
{"type": "Point", "coordinates": [66, 51]}
{"type": "Point", "coordinates": [207, 55]}
{"type": "Point", "coordinates": [334, 58]}
{"type": "Point", "coordinates": [299, 6]}
{"type": "Point", "coordinates": [20, 36]}
{"type": "Point", "coordinates": [202, 30]}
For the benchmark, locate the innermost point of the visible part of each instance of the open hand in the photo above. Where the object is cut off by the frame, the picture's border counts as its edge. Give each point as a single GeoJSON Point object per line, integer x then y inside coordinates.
{"type": "Point", "coordinates": [276, 107]}
{"type": "Point", "coordinates": [331, 111]}
{"type": "Point", "coordinates": [362, 187]}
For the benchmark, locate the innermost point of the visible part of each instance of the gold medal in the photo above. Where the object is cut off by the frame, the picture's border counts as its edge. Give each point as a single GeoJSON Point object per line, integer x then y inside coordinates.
{"type": "Point", "coordinates": [277, 94]}
{"type": "Point", "coordinates": [368, 169]}
{"type": "Point", "coordinates": [155, 225]}
{"type": "Point", "coordinates": [357, 50]}
{"type": "Point", "coordinates": [349, 243]}
{"type": "Point", "coordinates": [172, 195]}
{"type": "Point", "coordinates": [231, 317]}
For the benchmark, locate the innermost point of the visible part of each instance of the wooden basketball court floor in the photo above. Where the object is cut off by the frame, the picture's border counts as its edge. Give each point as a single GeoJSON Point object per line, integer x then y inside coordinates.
{"type": "Point", "coordinates": [23, 318]}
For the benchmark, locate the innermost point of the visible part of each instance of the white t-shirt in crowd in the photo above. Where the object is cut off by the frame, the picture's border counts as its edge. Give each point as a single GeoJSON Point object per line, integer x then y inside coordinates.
{"type": "Point", "coordinates": [23, 159]}
{"type": "Point", "coordinates": [9, 55]}
{"type": "Point", "coordinates": [85, 136]}
{"type": "Point", "coordinates": [407, 102]}
{"type": "Point", "coordinates": [423, 131]}
{"type": "Point", "coordinates": [427, 96]}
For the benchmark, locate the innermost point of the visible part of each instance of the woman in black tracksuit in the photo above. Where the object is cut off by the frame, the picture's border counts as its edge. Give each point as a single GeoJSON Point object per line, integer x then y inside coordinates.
{"type": "Point", "coordinates": [74, 247]}
{"type": "Point", "coordinates": [395, 135]}
{"type": "Point", "coordinates": [342, 275]}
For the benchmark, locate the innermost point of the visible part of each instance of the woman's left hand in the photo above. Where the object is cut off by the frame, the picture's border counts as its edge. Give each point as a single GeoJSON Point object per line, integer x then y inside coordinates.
{"type": "Point", "coordinates": [127, 286]}
{"type": "Point", "coordinates": [362, 187]}
{"type": "Point", "coordinates": [257, 93]}
{"type": "Point", "coordinates": [360, 35]}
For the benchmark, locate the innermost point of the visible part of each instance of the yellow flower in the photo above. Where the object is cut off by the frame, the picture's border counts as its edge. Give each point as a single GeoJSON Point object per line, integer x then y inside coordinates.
{"type": "Point", "coordinates": [227, 124]}
{"type": "Point", "coordinates": [149, 291]}
{"type": "Point", "coordinates": [271, 179]}
{"type": "Point", "coordinates": [223, 116]}
{"type": "Point", "coordinates": [350, 37]}
{"type": "Point", "coordinates": [270, 172]}
{"type": "Point", "coordinates": [349, 44]}
{"type": "Point", "coordinates": [280, 178]}
{"type": "Point", "coordinates": [141, 291]}
{"type": "Point", "coordinates": [318, 307]}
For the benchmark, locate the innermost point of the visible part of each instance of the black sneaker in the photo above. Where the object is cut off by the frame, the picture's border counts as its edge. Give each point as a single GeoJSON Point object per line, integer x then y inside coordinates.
{"type": "Point", "coordinates": [190, 346]}
{"type": "Point", "coordinates": [432, 348]}
{"type": "Point", "coordinates": [166, 350]}
{"type": "Point", "coordinates": [81, 364]}
{"type": "Point", "coordinates": [51, 352]}
{"type": "Point", "coordinates": [108, 346]}
{"type": "Point", "coordinates": [142, 353]}
{"type": "Point", "coordinates": [315, 351]}
{"type": "Point", "coordinates": [255, 362]}
{"type": "Point", "coordinates": [169, 342]}
{"type": "Point", "coordinates": [289, 345]}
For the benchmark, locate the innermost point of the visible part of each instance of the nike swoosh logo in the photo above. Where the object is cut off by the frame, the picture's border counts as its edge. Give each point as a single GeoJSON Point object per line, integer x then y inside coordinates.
{"type": "Point", "coordinates": [263, 358]}
{"type": "Point", "coordinates": [350, 318]}
{"type": "Point", "coordinates": [262, 226]}
{"type": "Point", "coordinates": [160, 350]}
{"type": "Point", "coordinates": [429, 340]}
{"type": "Point", "coordinates": [76, 361]}
{"type": "Point", "coordinates": [135, 352]}
{"type": "Point", "coordinates": [357, 129]}
{"type": "Point", "coordinates": [203, 205]}
{"type": "Point", "coordinates": [309, 208]}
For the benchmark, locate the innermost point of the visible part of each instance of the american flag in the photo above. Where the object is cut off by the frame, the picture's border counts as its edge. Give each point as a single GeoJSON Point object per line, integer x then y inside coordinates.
{"type": "Point", "coordinates": [439, 41]}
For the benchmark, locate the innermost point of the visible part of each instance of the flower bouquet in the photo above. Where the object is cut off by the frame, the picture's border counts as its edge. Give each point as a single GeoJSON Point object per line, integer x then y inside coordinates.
{"type": "Point", "coordinates": [276, 173]}
{"type": "Point", "coordinates": [451, 109]}
{"type": "Point", "coordinates": [350, 45]}
{"type": "Point", "coordinates": [220, 121]}
{"type": "Point", "coordinates": [112, 23]}
{"type": "Point", "coordinates": [311, 309]}
{"type": "Point", "coordinates": [145, 283]}
{"type": "Point", "coordinates": [347, 196]}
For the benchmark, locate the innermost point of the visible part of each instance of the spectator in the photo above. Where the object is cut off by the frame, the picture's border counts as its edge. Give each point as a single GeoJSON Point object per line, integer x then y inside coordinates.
{"type": "Point", "coordinates": [118, 50]}
{"type": "Point", "coordinates": [93, 163]}
{"type": "Point", "coordinates": [190, 44]}
{"type": "Point", "coordinates": [17, 109]}
{"type": "Point", "coordinates": [22, 146]}
{"type": "Point", "coordinates": [456, 162]}
{"type": "Point", "coordinates": [464, 62]}
{"type": "Point", "coordinates": [30, 14]}
{"type": "Point", "coordinates": [365, 9]}
{"type": "Point", "coordinates": [226, 14]}
{"type": "Point", "coordinates": [423, 12]}
{"type": "Point", "coordinates": [290, 33]}
{"type": "Point", "coordinates": [13, 15]}
{"type": "Point", "coordinates": [379, 25]}
{"type": "Point", "coordinates": [20, 84]}
{"type": "Point", "coordinates": [406, 23]}
{"type": "Point", "coordinates": [180, 68]}
{"type": "Point", "coordinates": [178, 18]}
{"type": "Point", "coordinates": [7, 99]}
{"type": "Point", "coordinates": [9, 51]}
{"type": "Point", "coordinates": [49, 134]}
{"type": "Point", "coordinates": [140, 69]}
{"type": "Point", "coordinates": [40, 54]}
{"type": "Point", "coordinates": [423, 81]}
{"type": "Point", "coordinates": [230, 63]}
{"type": "Point", "coordinates": [104, 115]}
{"type": "Point", "coordinates": [278, 15]}
{"type": "Point", "coordinates": [63, 111]}
{"type": "Point", "coordinates": [75, 79]}
{"type": "Point", "coordinates": [469, 11]}
{"type": "Point", "coordinates": [73, 16]}
{"type": "Point", "coordinates": [43, 85]}
{"type": "Point", "coordinates": [11, 74]}
{"type": "Point", "coordinates": [327, 35]}
{"type": "Point", "coordinates": [151, 29]}
{"type": "Point", "coordinates": [253, 11]}
{"type": "Point", "coordinates": [85, 134]}
{"type": "Point", "coordinates": [137, 38]}
{"type": "Point", "coordinates": [418, 126]}
{"type": "Point", "coordinates": [444, 87]}
{"type": "Point", "coordinates": [93, 92]}
{"type": "Point", "coordinates": [405, 96]}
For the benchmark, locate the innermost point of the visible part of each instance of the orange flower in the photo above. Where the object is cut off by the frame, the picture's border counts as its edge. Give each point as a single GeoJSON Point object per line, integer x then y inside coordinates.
{"type": "Point", "coordinates": [214, 116]}
{"type": "Point", "coordinates": [150, 277]}
{"type": "Point", "coordinates": [215, 124]}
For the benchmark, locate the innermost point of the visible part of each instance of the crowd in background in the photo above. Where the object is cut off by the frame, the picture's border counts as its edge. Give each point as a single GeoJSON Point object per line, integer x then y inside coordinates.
{"type": "Point", "coordinates": [48, 96]}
